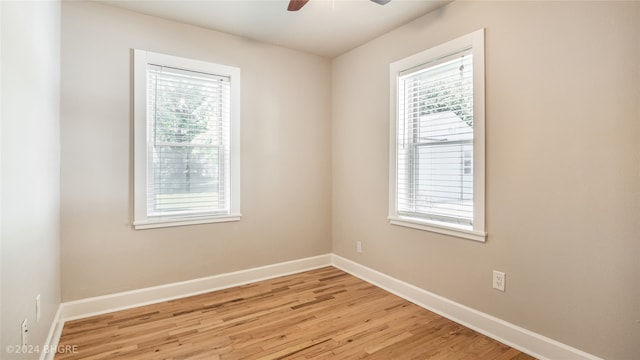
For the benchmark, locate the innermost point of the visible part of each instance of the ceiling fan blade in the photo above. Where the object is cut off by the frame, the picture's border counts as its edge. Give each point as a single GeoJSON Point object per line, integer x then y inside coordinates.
{"type": "Point", "coordinates": [295, 5]}
{"type": "Point", "coordinates": [381, 2]}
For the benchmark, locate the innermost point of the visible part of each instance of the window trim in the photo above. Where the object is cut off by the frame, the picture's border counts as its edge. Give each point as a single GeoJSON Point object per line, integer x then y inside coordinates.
{"type": "Point", "coordinates": [142, 168]}
{"type": "Point", "coordinates": [475, 40]}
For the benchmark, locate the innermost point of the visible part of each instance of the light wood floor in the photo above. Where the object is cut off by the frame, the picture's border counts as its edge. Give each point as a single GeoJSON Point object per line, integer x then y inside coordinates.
{"type": "Point", "coordinates": [319, 314]}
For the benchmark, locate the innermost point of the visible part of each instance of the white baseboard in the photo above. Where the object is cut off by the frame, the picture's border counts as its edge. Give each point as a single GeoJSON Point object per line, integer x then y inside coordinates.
{"type": "Point", "coordinates": [130, 299]}
{"type": "Point", "coordinates": [519, 338]}
{"type": "Point", "coordinates": [51, 343]}
{"type": "Point", "coordinates": [505, 332]}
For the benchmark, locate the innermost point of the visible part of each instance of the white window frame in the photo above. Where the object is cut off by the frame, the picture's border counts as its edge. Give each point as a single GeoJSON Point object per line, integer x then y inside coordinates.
{"type": "Point", "coordinates": [142, 166]}
{"type": "Point", "coordinates": [476, 232]}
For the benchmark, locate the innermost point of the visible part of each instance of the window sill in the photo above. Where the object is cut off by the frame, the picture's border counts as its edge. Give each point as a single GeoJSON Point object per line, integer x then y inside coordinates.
{"type": "Point", "coordinates": [160, 223]}
{"type": "Point", "coordinates": [440, 228]}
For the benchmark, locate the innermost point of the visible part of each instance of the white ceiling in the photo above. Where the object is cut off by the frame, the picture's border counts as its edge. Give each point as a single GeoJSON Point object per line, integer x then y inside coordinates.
{"type": "Point", "coordinates": [323, 27]}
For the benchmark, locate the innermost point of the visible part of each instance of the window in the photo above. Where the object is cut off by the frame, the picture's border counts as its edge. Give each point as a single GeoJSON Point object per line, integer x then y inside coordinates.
{"type": "Point", "coordinates": [437, 139]}
{"type": "Point", "coordinates": [186, 141]}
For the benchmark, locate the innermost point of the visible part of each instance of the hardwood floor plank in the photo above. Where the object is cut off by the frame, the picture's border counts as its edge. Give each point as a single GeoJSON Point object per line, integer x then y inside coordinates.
{"type": "Point", "coordinates": [319, 314]}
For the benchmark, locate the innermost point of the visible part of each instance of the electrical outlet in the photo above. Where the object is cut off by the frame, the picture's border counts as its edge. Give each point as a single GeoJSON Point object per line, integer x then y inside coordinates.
{"type": "Point", "coordinates": [498, 280]}
{"type": "Point", "coordinates": [23, 331]}
{"type": "Point", "coordinates": [359, 246]}
{"type": "Point", "coordinates": [38, 308]}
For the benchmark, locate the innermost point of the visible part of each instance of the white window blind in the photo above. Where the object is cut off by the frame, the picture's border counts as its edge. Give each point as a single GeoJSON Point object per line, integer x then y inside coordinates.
{"type": "Point", "coordinates": [436, 151]}
{"type": "Point", "coordinates": [435, 141]}
{"type": "Point", "coordinates": [189, 120]}
{"type": "Point", "coordinates": [186, 141]}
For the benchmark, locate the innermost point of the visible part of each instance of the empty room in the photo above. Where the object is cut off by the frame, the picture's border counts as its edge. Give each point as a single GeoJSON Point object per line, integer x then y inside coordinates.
{"type": "Point", "coordinates": [321, 179]}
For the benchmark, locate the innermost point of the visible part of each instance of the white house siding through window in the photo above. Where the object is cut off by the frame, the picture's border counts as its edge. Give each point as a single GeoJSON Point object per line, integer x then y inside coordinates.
{"type": "Point", "coordinates": [444, 170]}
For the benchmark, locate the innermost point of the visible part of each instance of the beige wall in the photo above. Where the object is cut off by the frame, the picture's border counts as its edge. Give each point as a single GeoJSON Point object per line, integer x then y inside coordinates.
{"type": "Point", "coordinates": [30, 199]}
{"type": "Point", "coordinates": [563, 169]}
{"type": "Point", "coordinates": [286, 179]}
